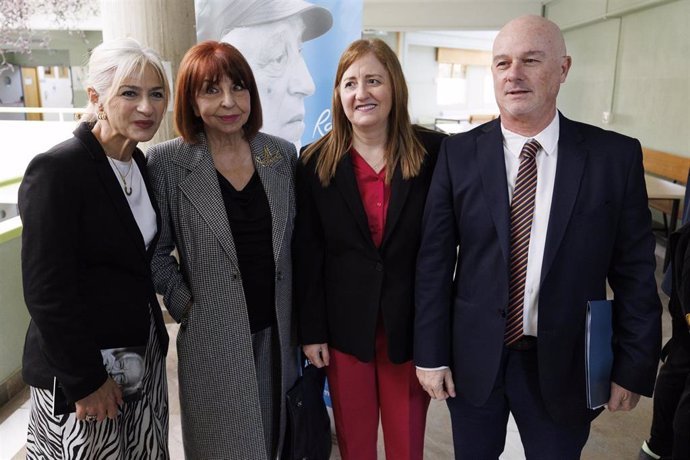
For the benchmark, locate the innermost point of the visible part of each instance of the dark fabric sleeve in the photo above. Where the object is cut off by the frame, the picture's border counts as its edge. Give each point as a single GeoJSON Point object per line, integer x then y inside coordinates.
{"type": "Point", "coordinates": [434, 276]}
{"type": "Point", "coordinates": [167, 277]}
{"type": "Point", "coordinates": [49, 202]}
{"type": "Point", "coordinates": [308, 260]}
{"type": "Point", "coordinates": [637, 309]}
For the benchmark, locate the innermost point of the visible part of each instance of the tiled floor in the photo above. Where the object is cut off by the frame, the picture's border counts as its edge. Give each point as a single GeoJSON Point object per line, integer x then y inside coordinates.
{"type": "Point", "coordinates": [613, 435]}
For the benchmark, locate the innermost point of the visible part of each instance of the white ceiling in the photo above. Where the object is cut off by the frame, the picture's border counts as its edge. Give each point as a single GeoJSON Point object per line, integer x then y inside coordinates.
{"type": "Point", "coordinates": [396, 15]}
{"type": "Point", "coordinates": [415, 15]}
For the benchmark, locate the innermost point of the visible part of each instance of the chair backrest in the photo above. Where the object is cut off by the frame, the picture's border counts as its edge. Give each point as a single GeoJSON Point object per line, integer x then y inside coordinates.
{"type": "Point", "coordinates": [481, 118]}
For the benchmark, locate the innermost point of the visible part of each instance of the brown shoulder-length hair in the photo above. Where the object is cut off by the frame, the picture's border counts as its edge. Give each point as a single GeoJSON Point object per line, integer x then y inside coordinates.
{"type": "Point", "coordinates": [402, 146]}
{"type": "Point", "coordinates": [211, 61]}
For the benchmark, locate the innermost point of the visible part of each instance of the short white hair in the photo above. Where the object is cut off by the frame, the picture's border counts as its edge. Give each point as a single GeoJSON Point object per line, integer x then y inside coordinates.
{"type": "Point", "coordinates": [111, 63]}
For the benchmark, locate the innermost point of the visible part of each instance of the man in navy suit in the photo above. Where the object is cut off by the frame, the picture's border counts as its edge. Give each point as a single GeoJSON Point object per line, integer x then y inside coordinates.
{"type": "Point", "coordinates": [590, 224]}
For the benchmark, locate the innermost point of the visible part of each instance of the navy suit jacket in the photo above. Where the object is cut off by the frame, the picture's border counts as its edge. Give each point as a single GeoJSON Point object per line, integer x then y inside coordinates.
{"type": "Point", "coordinates": [599, 229]}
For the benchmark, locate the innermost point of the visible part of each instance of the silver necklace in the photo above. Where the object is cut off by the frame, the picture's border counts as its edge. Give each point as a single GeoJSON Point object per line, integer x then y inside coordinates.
{"type": "Point", "coordinates": [128, 190]}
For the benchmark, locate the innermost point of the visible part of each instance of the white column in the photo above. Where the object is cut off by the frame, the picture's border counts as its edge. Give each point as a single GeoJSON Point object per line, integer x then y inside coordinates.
{"type": "Point", "coordinates": [168, 26]}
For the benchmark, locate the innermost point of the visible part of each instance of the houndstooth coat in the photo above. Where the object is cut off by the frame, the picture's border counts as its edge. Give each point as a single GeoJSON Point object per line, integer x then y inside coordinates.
{"type": "Point", "coordinates": [221, 412]}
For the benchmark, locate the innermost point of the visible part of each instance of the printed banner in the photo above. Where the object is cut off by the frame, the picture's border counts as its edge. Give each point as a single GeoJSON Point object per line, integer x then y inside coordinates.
{"type": "Point", "coordinates": [293, 47]}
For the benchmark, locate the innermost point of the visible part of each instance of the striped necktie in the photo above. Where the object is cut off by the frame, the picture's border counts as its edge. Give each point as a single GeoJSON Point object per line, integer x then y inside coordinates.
{"type": "Point", "coordinates": [521, 212]}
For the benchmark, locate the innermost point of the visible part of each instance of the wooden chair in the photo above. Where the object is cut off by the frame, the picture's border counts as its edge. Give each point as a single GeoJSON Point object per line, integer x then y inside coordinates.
{"type": "Point", "coordinates": [478, 119]}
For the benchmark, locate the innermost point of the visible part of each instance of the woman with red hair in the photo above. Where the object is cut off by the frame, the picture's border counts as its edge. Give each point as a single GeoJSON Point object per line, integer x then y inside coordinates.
{"type": "Point", "coordinates": [226, 195]}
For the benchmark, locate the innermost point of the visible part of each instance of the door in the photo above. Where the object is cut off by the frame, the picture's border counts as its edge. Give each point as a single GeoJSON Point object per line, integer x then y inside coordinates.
{"type": "Point", "coordinates": [32, 95]}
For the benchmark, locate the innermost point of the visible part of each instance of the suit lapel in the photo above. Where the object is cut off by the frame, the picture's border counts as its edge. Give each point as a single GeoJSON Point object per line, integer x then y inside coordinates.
{"type": "Point", "coordinates": [346, 182]}
{"type": "Point", "coordinates": [400, 189]}
{"type": "Point", "coordinates": [277, 186]}
{"type": "Point", "coordinates": [111, 185]}
{"type": "Point", "coordinates": [203, 191]}
{"type": "Point", "coordinates": [569, 169]}
{"type": "Point", "coordinates": [491, 160]}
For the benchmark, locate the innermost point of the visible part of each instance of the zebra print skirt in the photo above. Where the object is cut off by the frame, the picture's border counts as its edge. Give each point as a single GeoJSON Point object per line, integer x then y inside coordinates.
{"type": "Point", "coordinates": [139, 432]}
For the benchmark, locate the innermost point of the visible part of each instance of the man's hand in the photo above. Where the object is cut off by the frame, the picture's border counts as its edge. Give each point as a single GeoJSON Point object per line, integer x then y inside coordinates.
{"type": "Point", "coordinates": [622, 399]}
{"type": "Point", "coordinates": [439, 384]}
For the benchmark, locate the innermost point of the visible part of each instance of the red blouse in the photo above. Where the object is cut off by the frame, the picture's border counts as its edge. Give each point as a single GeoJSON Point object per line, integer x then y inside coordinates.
{"type": "Point", "coordinates": [375, 195]}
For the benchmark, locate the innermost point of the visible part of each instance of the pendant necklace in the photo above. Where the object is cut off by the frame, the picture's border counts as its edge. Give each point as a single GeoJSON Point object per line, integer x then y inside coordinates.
{"type": "Point", "coordinates": [128, 190]}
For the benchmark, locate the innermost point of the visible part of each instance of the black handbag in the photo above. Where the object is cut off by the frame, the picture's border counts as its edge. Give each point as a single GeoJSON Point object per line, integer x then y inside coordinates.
{"type": "Point", "coordinates": [308, 434]}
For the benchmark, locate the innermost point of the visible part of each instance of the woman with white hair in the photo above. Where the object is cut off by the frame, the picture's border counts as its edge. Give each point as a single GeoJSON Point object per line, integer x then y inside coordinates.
{"type": "Point", "coordinates": [270, 34]}
{"type": "Point", "coordinates": [90, 226]}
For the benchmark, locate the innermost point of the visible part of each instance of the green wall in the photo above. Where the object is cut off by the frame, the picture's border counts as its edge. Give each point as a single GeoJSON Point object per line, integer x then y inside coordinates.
{"type": "Point", "coordinates": [64, 49]}
{"type": "Point", "coordinates": [14, 317]}
{"type": "Point", "coordinates": [630, 59]}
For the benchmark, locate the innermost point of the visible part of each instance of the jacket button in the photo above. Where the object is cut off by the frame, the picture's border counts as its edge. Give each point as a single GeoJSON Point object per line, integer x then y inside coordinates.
{"type": "Point", "coordinates": [379, 267]}
{"type": "Point", "coordinates": [234, 276]}
{"type": "Point", "coordinates": [279, 276]}
{"type": "Point", "coordinates": [502, 312]}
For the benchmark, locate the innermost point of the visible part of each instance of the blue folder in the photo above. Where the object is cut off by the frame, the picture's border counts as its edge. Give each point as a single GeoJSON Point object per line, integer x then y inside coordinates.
{"type": "Point", "coordinates": [598, 352]}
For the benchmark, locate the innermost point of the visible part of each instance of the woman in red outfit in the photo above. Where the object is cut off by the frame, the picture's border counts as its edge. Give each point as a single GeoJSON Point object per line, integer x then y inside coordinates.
{"type": "Point", "coordinates": [360, 196]}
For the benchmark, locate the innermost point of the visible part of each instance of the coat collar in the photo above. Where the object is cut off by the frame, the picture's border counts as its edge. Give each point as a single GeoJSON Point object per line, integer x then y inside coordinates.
{"type": "Point", "coordinates": [493, 176]}
{"type": "Point", "coordinates": [569, 170]}
{"type": "Point", "coordinates": [400, 189]}
{"type": "Point", "coordinates": [572, 156]}
{"type": "Point", "coordinates": [112, 186]}
{"type": "Point", "coordinates": [201, 187]}
{"type": "Point", "coordinates": [346, 182]}
{"type": "Point", "coordinates": [271, 167]}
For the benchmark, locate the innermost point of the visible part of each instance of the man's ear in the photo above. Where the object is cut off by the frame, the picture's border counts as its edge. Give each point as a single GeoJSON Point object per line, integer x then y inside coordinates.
{"type": "Point", "coordinates": [565, 67]}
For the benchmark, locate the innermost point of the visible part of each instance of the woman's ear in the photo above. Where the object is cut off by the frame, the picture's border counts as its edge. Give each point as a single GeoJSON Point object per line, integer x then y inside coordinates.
{"type": "Point", "coordinates": [93, 95]}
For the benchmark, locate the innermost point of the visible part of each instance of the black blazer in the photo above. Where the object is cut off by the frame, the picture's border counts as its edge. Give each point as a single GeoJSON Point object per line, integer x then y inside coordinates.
{"type": "Point", "coordinates": [342, 281]}
{"type": "Point", "coordinates": [86, 271]}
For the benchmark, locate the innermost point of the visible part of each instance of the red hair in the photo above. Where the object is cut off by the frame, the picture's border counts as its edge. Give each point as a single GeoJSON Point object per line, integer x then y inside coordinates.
{"type": "Point", "coordinates": [212, 61]}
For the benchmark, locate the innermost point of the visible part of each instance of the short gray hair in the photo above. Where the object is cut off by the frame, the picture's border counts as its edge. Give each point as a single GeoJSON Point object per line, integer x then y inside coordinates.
{"type": "Point", "coordinates": [112, 62]}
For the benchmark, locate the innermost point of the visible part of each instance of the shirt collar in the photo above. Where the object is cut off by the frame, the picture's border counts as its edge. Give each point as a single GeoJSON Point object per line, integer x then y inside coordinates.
{"type": "Point", "coordinates": [362, 167]}
{"type": "Point", "coordinates": [548, 138]}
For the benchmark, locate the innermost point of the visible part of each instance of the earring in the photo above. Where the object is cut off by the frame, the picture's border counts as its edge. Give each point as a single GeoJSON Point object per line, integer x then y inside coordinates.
{"type": "Point", "coordinates": [101, 114]}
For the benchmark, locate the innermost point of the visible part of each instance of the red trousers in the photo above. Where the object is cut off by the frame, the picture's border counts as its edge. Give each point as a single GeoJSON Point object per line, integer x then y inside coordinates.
{"type": "Point", "coordinates": [360, 391]}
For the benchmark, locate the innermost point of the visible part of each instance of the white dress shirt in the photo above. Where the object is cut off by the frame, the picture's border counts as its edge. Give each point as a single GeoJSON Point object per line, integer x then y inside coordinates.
{"type": "Point", "coordinates": [546, 175]}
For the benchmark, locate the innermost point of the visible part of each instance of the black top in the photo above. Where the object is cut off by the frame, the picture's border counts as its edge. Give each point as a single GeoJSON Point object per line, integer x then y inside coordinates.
{"type": "Point", "coordinates": [250, 223]}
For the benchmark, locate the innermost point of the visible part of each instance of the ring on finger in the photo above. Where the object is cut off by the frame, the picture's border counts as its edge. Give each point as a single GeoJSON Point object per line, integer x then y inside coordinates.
{"type": "Point", "coordinates": [91, 418]}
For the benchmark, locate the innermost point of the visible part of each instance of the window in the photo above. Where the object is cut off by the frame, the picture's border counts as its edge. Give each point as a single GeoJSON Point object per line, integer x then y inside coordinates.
{"type": "Point", "coordinates": [451, 85]}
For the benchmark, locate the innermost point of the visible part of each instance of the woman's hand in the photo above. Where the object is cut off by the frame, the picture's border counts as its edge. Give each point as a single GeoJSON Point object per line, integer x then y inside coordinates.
{"type": "Point", "coordinates": [317, 354]}
{"type": "Point", "coordinates": [101, 403]}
